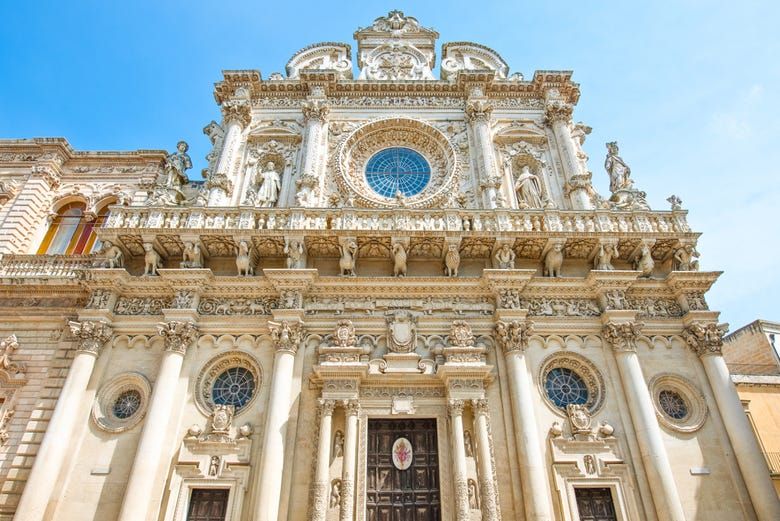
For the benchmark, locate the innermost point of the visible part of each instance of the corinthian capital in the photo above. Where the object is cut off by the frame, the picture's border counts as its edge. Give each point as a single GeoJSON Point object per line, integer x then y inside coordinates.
{"type": "Point", "coordinates": [287, 335]}
{"type": "Point", "coordinates": [92, 335]}
{"type": "Point", "coordinates": [622, 335]}
{"type": "Point", "coordinates": [455, 407]}
{"type": "Point", "coordinates": [315, 109]}
{"type": "Point", "coordinates": [178, 335]}
{"type": "Point", "coordinates": [480, 407]}
{"type": "Point", "coordinates": [478, 110]}
{"type": "Point", "coordinates": [704, 338]}
{"type": "Point", "coordinates": [557, 110]}
{"type": "Point", "coordinates": [513, 336]}
{"type": "Point", "coordinates": [238, 111]}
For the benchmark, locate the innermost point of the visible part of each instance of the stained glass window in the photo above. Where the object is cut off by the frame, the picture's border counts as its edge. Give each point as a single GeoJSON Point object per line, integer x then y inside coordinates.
{"type": "Point", "coordinates": [398, 169]}
{"type": "Point", "coordinates": [235, 386]}
{"type": "Point", "coordinates": [565, 387]}
{"type": "Point", "coordinates": [673, 404]}
{"type": "Point", "coordinates": [127, 404]}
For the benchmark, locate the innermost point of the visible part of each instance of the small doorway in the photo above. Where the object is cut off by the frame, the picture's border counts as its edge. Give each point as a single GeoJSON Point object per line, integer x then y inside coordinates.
{"type": "Point", "coordinates": [595, 504]}
{"type": "Point", "coordinates": [411, 494]}
{"type": "Point", "coordinates": [208, 504]}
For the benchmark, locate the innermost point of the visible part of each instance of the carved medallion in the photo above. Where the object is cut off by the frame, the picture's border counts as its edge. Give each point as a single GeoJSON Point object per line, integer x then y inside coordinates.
{"type": "Point", "coordinates": [401, 332]}
{"type": "Point", "coordinates": [402, 454]}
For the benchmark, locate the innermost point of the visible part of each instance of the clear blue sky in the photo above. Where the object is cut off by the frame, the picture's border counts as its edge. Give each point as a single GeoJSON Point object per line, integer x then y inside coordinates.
{"type": "Point", "coordinates": [690, 89]}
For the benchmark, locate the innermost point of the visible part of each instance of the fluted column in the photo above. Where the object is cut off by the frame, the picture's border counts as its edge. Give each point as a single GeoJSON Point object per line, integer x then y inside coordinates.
{"type": "Point", "coordinates": [352, 409]}
{"type": "Point", "coordinates": [140, 493]}
{"type": "Point", "coordinates": [622, 336]}
{"type": "Point", "coordinates": [287, 337]}
{"type": "Point", "coordinates": [478, 113]}
{"type": "Point", "coordinates": [459, 477]}
{"type": "Point", "coordinates": [321, 483]}
{"type": "Point", "coordinates": [56, 444]}
{"type": "Point", "coordinates": [537, 498]}
{"type": "Point", "coordinates": [236, 115]}
{"type": "Point", "coordinates": [487, 474]}
{"type": "Point", "coordinates": [706, 340]}
{"type": "Point", "coordinates": [311, 183]}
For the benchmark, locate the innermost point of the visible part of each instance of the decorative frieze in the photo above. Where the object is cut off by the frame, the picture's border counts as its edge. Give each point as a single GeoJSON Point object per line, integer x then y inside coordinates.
{"type": "Point", "coordinates": [141, 305]}
{"type": "Point", "coordinates": [240, 306]}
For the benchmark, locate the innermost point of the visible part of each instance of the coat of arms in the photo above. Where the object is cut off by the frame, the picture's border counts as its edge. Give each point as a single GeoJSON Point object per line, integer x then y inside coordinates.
{"type": "Point", "coordinates": [401, 332]}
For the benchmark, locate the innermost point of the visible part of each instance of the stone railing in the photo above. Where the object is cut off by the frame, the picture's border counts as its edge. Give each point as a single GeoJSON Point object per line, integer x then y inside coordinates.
{"type": "Point", "coordinates": [36, 266]}
{"type": "Point", "coordinates": [364, 220]}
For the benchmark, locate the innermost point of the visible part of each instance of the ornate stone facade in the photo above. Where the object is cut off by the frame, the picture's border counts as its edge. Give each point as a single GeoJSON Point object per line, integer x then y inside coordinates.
{"type": "Point", "coordinates": [392, 257]}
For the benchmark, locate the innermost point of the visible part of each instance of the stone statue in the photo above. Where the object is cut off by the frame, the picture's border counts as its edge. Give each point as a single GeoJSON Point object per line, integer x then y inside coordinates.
{"type": "Point", "coordinates": [589, 463]}
{"type": "Point", "coordinates": [603, 259]}
{"type": "Point", "coordinates": [112, 256]}
{"type": "Point", "coordinates": [645, 262]}
{"type": "Point", "coordinates": [152, 259]}
{"type": "Point", "coordinates": [505, 257]}
{"type": "Point", "coordinates": [244, 259]}
{"type": "Point", "coordinates": [473, 499]}
{"type": "Point", "coordinates": [335, 493]}
{"type": "Point", "coordinates": [675, 202]}
{"type": "Point", "coordinates": [294, 251]}
{"type": "Point", "coordinates": [617, 169]}
{"type": "Point", "coordinates": [176, 166]}
{"type": "Point", "coordinates": [685, 258]}
{"type": "Point", "coordinates": [553, 261]}
{"type": "Point", "coordinates": [214, 466]}
{"type": "Point", "coordinates": [269, 184]}
{"type": "Point", "coordinates": [451, 261]}
{"type": "Point", "coordinates": [192, 256]}
{"type": "Point", "coordinates": [338, 445]}
{"type": "Point", "coordinates": [399, 258]}
{"type": "Point", "coordinates": [468, 444]}
{"type": "Point", "coordinates": [528, 189]}
{"type": "Point", "coordinates": [347, 261]}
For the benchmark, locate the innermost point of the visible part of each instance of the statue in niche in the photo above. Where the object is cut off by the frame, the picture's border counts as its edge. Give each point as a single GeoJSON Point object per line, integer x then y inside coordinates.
{"type": "Point", "coordinates": [603, 259]}
{"type": "Point", "coordinates": [335, 493]}
{"type": "Point", "coordinates": [192, 256]}
{"type": "Point", "coordinates": [473, 498]}
{"type": "Point", "coordinates": [399, 259]}
{"type": "Point", "coordinates": [338, 445]}
{"type": "Point", "coordinates": [176, 166]}
{"type": "Point", "coordinates": [617, 169]}
{"type": "Point", "coordinates": [685, 258]}
{"type": "Point", "coordinates": [590, 464]}
{"type": "Point", "coordinates": [528, 189]}
{"type": "Point", "coordinates": [112, 256]}
{"type": "Point", "coordinates": [214, 466]}
{"type": "Point", "coordinates": [505, 258]}
{"type": "Point", "coordinates": [269, 184]}
{"type": "Point", "coordinates": [468, 444]}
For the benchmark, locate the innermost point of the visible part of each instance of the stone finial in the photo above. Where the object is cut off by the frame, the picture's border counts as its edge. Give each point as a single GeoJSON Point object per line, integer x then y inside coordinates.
{"type": "Point", "coordinates": [92, 335]}
{"type": "Point", "coordinates": [461, 334]}
{"type": "Point", "coordinates": [704, 338]}
{"type": "Point", "coordinates": [287, 335]}
{"type": "Point", "coordinates": [675, 202]}
{"type": "Point", "coordinates": [178, 335]}
{"type": "Point", "coordinates": [622, 335]}
{"type": "Point", "coordinates": [513, 336]}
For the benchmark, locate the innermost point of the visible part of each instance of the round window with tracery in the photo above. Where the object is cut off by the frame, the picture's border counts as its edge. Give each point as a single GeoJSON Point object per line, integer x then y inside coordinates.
{"type": "Point", "coordinates": [397, 170]}
{"type": "Point", "coordinates": [122, 402]}
{"type": "Point", "coordinates": [571, 379]}
{"type": "Point", "coordinates": [673, 404]}
{"type": "Point", "coordinates": [565, 387]}
{"type": "Point", "coordinates": [232, 378]}
{"type": "Point", "coordinates": [235, 387]}
{"type": "Point", "coordinates": [127, 404]}
{"type": "Point", "coordinates": [679, 405]}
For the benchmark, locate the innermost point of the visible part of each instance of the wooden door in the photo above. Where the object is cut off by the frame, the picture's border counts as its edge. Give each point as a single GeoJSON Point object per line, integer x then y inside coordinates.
{"type": "Point", "coordinates": [402, 495]}
{"type": "Point", "coordinates": [208, 504]}
{"type": "Point", "coordinates": [595, 504]}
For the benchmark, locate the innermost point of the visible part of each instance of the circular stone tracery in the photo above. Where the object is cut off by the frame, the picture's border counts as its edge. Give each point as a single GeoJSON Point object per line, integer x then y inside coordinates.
{"type": "Point", "coordinates": [127, 404]}
{"type": "Point", "coordinates": [229, 379]}
{"type": "Point", "coordinates": [397, 170]}
{"type": "Point", "coordinates": [679, 405]}
{"type": "Point", "coordinates": [568, 378]}
{"type": "Point", "coordinates": [122, 402]}
{"type": "Point", "coordinates": [565, 387]}
{"type": "Point", "coordinates": [235, 387]}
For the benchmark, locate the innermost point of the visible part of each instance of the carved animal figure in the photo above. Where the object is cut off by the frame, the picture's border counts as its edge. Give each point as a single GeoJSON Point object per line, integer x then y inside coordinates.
{"type": "Point", "coordinates": [645, 262]}
{"type": "Point", "coordinates": [191, 256]}
{"type": "Point", "coordinates": [451, 261]}
{"type": "Point", "coordinates": [152, 259]}
{"type": "Point", "coordinates": [244, 260]}
{"type": "Point", "coordinates": [112, 256]}
{"type": "Point", "coordinates": [347, 260]}
{"type": "Point", "coordinates": [553, 261]}
{"type": "Point", "coordinates": [399, 256]}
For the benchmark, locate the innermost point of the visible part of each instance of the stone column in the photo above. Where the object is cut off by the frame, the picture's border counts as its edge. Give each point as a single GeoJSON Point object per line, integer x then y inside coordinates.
{"type": "Point", "coordinates": [706, 340]}
{"type": "Point", "coordinates": [311, 183]}
{"type": "Point", "coordinates": [459, 478]}
{"type": "Point", "coordinates": [622, 336]}
{"type": "Point", "coordinates": [478, 113]}
{"type": "Point", "coordinates": [140, 493]}
{"type": "Point", "coordinates": [486, 464]}
{"type": "Point", "coordinates": [236, 116]}
{"type": "Point", "coordinates": [320, 489]}
{"type": "Point", "coordinates": [537, 498]}
{"type": "Point", "coordinates": [287, 336]}
{"type": "Point", "coordinates": [558, 117]}
{"type": "Point", "coordinates": [352, 409]}
{"type": "Point", "coordinates": [56, 444]}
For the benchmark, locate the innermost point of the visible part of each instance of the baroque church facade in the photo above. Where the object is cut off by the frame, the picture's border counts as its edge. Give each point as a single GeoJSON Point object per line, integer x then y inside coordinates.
{"type": "Point", "coordinates": [395, 296]}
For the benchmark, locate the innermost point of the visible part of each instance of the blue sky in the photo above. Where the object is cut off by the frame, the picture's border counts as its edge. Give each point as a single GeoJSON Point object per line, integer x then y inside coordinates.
{"type": "Point", "coordinates": [690, 89]}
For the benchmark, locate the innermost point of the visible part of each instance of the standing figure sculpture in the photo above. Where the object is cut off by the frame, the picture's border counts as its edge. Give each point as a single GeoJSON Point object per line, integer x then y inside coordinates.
{"type": "Point", "coordinates": [617, 169]}
{"type": "Point", "coordinates": [176, 166]}
{"type": "Point", "coordinates": [269, 185]}
{"type": "Point", "coordinates": [603, 259]}
{"type": "Point", "coordinates": [505, 258]}
{"type": "Point", "coordinates": [528, 189]}
{"type": "Point", "coordinates": [399, 258]}
{"type": "Point", "coordinates": [295, 255]}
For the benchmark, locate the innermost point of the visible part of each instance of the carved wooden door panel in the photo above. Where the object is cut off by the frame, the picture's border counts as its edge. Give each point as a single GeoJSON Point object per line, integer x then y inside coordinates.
{"type": "Point", "coordinates": [595, 504]}
{"type": "Point", "coordinates": [208, 504]}
{"type": "Point", "coordinates": [402, 495]}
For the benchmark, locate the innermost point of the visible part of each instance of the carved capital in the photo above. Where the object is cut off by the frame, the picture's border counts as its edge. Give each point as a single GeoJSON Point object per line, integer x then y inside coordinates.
{"type": "Point", "coordinates": [178, 335]}
{"type": "Point", "coordinates": [480, 407]}
{"type": "Point", "coordinates": [455, 407]}
{"type": "Point", "coordinates": [513, 336]}
{"type": "Point", "coordinates": [557, 110]}
{"type": "Point", "coordinates": [351, 407]}
{"type": "Point", "coordinates": [92, 335]}
{"type": "Point", "coordinates": [238, 111]}
{"type": "Point", "coordinates": [478, 110]}
{"type": "Point", "coordinates": [315, 110]}
{"type": "Point", "coordinates": [287, 335]}
{"type": "Point", "coordinates": [326, 407]}
{"type": "Point", "coordinates": [622, 335]}
{"type": "Point", "coordinates": [704, 338]}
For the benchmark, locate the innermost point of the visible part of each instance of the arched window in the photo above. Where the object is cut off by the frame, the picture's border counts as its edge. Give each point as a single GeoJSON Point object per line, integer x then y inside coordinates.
{"type": "Point", "coordinates": [70, 233]}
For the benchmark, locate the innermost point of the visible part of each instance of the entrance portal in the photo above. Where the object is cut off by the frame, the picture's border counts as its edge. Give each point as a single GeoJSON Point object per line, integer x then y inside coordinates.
{"type": "Point", "coordinates": [411, 494]}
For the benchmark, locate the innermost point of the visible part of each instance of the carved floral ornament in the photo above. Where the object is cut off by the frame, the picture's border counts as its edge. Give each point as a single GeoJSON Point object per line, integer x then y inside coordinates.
{"type": "Point", "coordinates": [704, 338]}
{"type": "Point", "coordinates": [92, 335]}
{"type": "Point", "coordinates": [461, 334]}
{"type": "Point", "coordinates": [513, 336]}
{"type": "Point", "coordinates": [178, 335]}
{"type": "Point", "coordinates": [622, 335]}
{"type": "Point", "coordinates": [344, 334]}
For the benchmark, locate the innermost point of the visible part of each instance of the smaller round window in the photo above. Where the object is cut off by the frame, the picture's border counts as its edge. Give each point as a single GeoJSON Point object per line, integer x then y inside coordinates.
{"type": "Point", "coordinates": [235, 387]}
{"type": "Point", "coordinates": [127, 404]}
{"type": "Point", "coordinates": [565, 387]}
{"type": "Point", "coordinates": [672, 404]}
